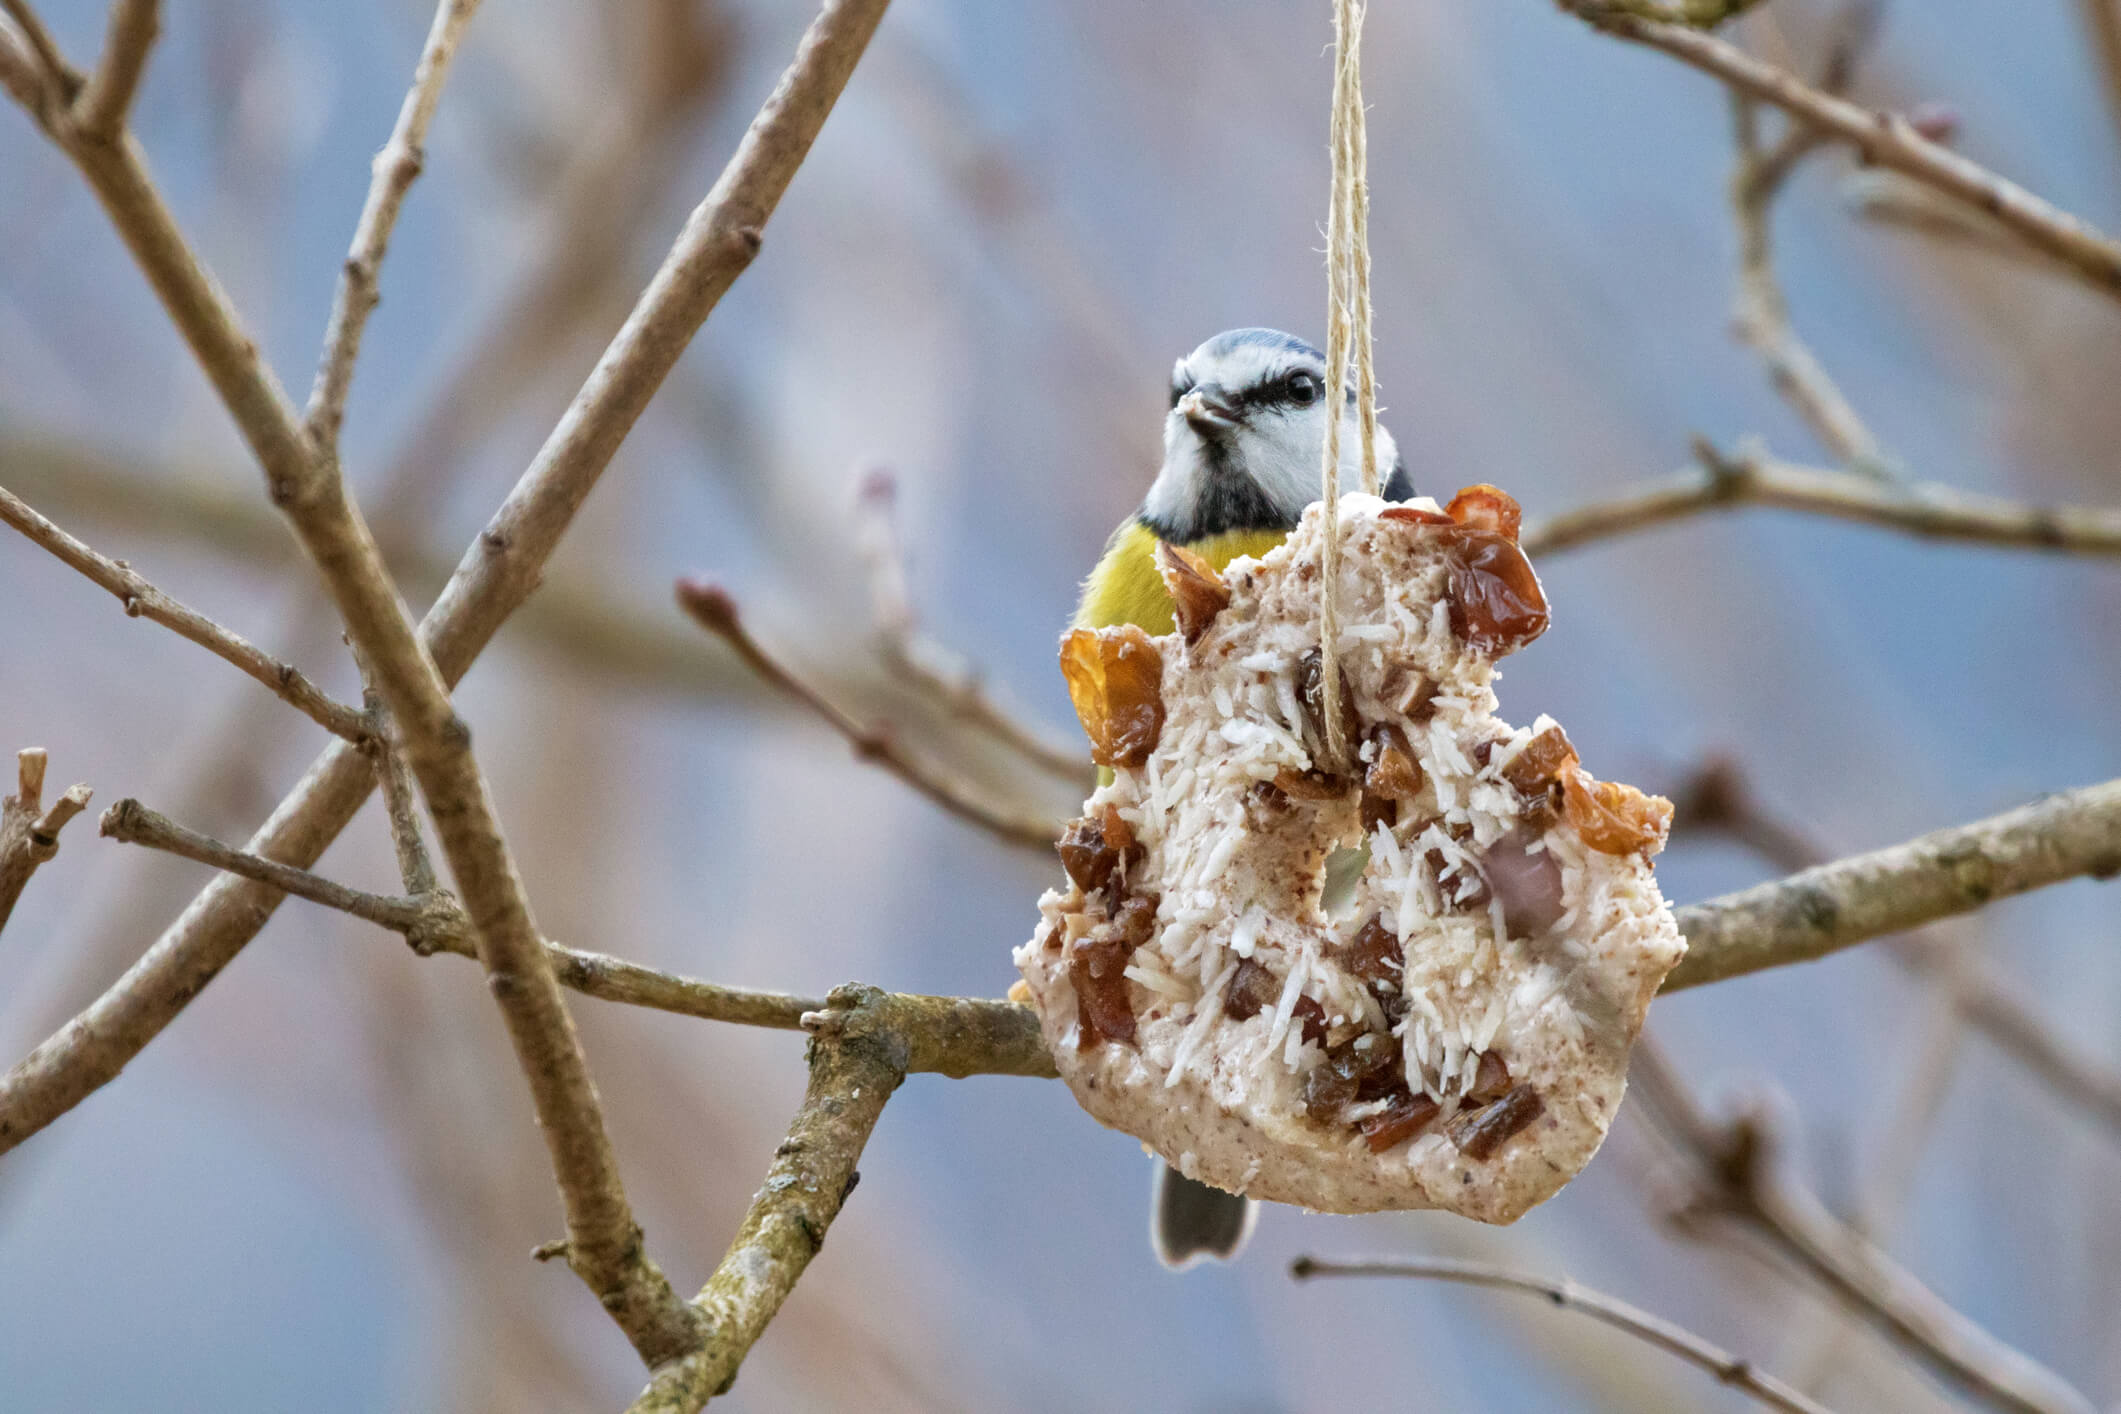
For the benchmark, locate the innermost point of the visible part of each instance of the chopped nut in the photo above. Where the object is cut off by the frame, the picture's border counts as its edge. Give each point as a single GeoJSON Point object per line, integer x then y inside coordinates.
{"type": "Point", "coordinates": [1491, 1081]}
{"type": "Point", "coordinates": [1251, 989]}
{"type": "Point", "coordinates": [1488, 508]}
{"type": "Point", "coordinates": [1615, 818]}
{"type": "Point", "coordinates": [1407, 1116]}
{"type": "Point", "coordinates": [1308, 785]}
{"type": "Point", "coordinates": [1479, 1133]}
{"type": "Point", "coordinates": [1115, 680]}
{"type": "Point", "coordinates": [1310, 685]}
{"type": "Point", "coordinates": [1414, 515]}
{"type": "Point", "coordinates": [1540, 763]}
{"type": "Point", "coordinates": [1198, 593]}
{"type": "Point", "coordinates": [1497, 605]}
{"type": "Point", "coordinates": [1394, 772]}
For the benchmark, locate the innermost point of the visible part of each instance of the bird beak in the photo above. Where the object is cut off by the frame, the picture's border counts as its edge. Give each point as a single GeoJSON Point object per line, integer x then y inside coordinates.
{"type": "Point", "coordinates": [1208, 410]}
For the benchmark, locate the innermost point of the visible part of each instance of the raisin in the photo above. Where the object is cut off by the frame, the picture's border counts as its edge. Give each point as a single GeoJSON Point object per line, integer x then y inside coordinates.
{"type": "Point", "coordinates": [1104, 1008]}
{"type": "Point", "coordinates": [1540, 763]}
{"type": "Point", "coordinates": [1406, 1117]}
{"type": "Point", "coordinates": [1491, 1081]}
{"type": "Point", "coordinates": [1527, 882]}
{"type": "Point", "coordinates": [1374, 954]}
{"type": "Point", "coordinates": [1198, 593]}
{"type": "Point", "coordinates": [1497, 606]}
{"type": "Point", "coordinates": [1119, 834]}
{"type": "Point", "coordinates": [1615, 818]}
{"type": "Point", "coordinates": [1479, 1133]}
{"type": "Point", "coordinates": [1087, 855]}
{"type": "Point", "coordinates": [1366, 1068]}
{"type": "Point", "coordinates": [1378, 810]}
{"type": "Point", "coordinates": [1489, 508]}
{"type": "Point", "coordinates": [1115, 680]}
{"type": "Point", "coordinates": [1250, 990]}
{"type": "Point", "coordinates": [1327, 1092]}
{"type": "Point", "coordinates": [1310, 686]}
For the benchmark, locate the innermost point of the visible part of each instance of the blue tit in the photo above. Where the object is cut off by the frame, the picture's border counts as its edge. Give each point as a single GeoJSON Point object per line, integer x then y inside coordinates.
{"type": "Point", "coordinates": [1242, 446]}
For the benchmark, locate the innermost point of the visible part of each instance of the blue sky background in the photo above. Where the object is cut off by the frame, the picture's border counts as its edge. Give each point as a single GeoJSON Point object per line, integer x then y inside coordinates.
{"type": "Point", "coordinates": [318, 1187]}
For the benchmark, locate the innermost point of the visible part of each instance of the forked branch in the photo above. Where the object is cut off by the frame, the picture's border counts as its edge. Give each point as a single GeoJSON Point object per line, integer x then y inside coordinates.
{"type": "Point", "coordinates": [29, 832]}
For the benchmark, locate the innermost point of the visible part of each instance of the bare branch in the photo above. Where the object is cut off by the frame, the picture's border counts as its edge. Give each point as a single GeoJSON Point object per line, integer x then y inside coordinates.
{"type": "Point", "coordinates": [949, 679]}
{"type": "Point", "coordinates": [58, 75]}
{"type": "Point", "coordinates": [954, 1036]}
{"type": "Point", "coordinates": [1728, 1369]}
{"type": "Point", "coordinates": [142, 600]}
{"type": "Point", "coordinates": [29, 833]}
{"type": "Point", "coordinates": [1886, 139]}
{"type": "Point", "coordinates": [1700, 14]}
{"type": "Point", "coordinates": [498, 572]}
{"type": "Point", "coordinates": [2072, 834]}
{"type": "Point", "coordinates": [1761, 316]}
{"type": "Point", "coordinates": [856, 1062]}
{"type": "Point", "coordinates": [100, 110]}
{"type": "Point", "coordinates": [717, 612]}
{"type": "Point", "coordinates": [1927, 510]}
{"type": "Point", "coordinates": [1718, 798]}
{"type": "Point", "coordinates": [2102, 18]}
{"type": "Point", "coordinates": [395, 169]}
{"type": "Point", "coordinates": [1740, 1171]}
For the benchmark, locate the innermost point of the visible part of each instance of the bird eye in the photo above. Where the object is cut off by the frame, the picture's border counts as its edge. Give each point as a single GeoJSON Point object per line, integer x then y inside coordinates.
{"type": "Point", "coordinates": [1303, 389]}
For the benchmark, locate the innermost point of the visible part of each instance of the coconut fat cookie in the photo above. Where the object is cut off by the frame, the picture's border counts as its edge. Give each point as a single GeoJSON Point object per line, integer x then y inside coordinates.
{"type": "Point", "coordinates": [1446, 1028]}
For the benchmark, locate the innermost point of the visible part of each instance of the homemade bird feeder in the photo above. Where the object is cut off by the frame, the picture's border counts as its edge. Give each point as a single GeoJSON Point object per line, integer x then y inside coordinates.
{"type": "Point", "coordinates": [1333, 933]}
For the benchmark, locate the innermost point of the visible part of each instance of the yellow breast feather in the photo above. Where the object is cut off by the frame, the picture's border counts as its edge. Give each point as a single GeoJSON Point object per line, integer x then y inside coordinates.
{"type": "Point", "coordinates": [1125, 588]}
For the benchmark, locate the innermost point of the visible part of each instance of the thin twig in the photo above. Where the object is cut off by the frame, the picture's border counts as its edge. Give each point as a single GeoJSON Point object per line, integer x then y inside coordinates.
{"type": "Point", "coordinates": [856, 1061]}
{"type": "Point", "coordinates": [1887, 139]}
{"type": "Point", "coordinates": [395, 169]}
{"type": "Point", "coordinates": [63, 77]}
{"type": "Point", "coordinates": [1927, 510]}
{"type": "Point", "coordinates": [2069, 835]}
{"type": "Point", "coordinates": [304, 481]}
{"type": "Point", "coordinates": [498, 573]}
{"type": "Point", "coordinates": [954, 1036]}
{"type": "Point", "coordinates": [29, 833]}
{"type": "Point", "coordinates": [101, 108]}
{"type": "Point", "coordinates": [1761, 315]}
{"type": "Point", "coordinates": [949, 679]}
{"type": "Point", "coordinates": [716, 611]}
{"type": "Point", "coordinates": [142, 600]}
{"type": "Point", "coordinates": [1729, 1369]}
{"type": "Point", "coordinates": [2102, 18]}
{"type": "Point", "coordinates": [1890, 199]}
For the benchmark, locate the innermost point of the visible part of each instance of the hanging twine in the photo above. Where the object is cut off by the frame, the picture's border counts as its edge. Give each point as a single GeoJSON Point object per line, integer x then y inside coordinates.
{"type": "Point", "coordinates": [1347, 323]}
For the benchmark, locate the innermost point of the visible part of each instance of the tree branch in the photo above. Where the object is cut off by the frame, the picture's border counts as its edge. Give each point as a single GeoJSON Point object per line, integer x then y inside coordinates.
{"type": "Point", "coordinates": [100, 110]}
{"type": "Point", "coordinates": [498, 572]}
{"type": "Point", "coordinates": [713, 608]}
{"type": "Point", "coordinates": [2068, 835]}
{"type": "Point", "coordinates": [949, 680]}
{"type": "Point", "coordinates": [1923, 509]}
{"type": "Point", "coordinates": [29, 833]}
{"type": "Point", "coordinates": [1886, 139]}
{"type": "Point", "coordinates": [142, 600]}
{"type": "Point", "coordinates": [395, 169]}
{"type": "Point", "coordinates": [1729, 1369]}
{"type": "Point", "coordinates": [856, 1061]}
{"type": "Point", "coordinates": [953, 1036]}
{"type": "Point", "coordinates": [1739, 1168]}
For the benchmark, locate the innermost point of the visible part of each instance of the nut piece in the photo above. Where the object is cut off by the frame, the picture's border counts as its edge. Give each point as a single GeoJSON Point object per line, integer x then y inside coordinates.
{"type": "Point", "coordinates": [1198, 593]}
{"type": "Point", "coordinates": [1479, 1133]}
{"type": "Point", "coordinates": [1115, 679]}
{"type": "Point", "coordinates": [1488, 508]}
{"type": "Point", "coordinates": [1615, 818]}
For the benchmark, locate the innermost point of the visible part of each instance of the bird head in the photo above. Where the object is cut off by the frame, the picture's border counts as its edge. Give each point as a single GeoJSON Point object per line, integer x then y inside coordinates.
{"type": "Point", "coordinates": [1245, 435]}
